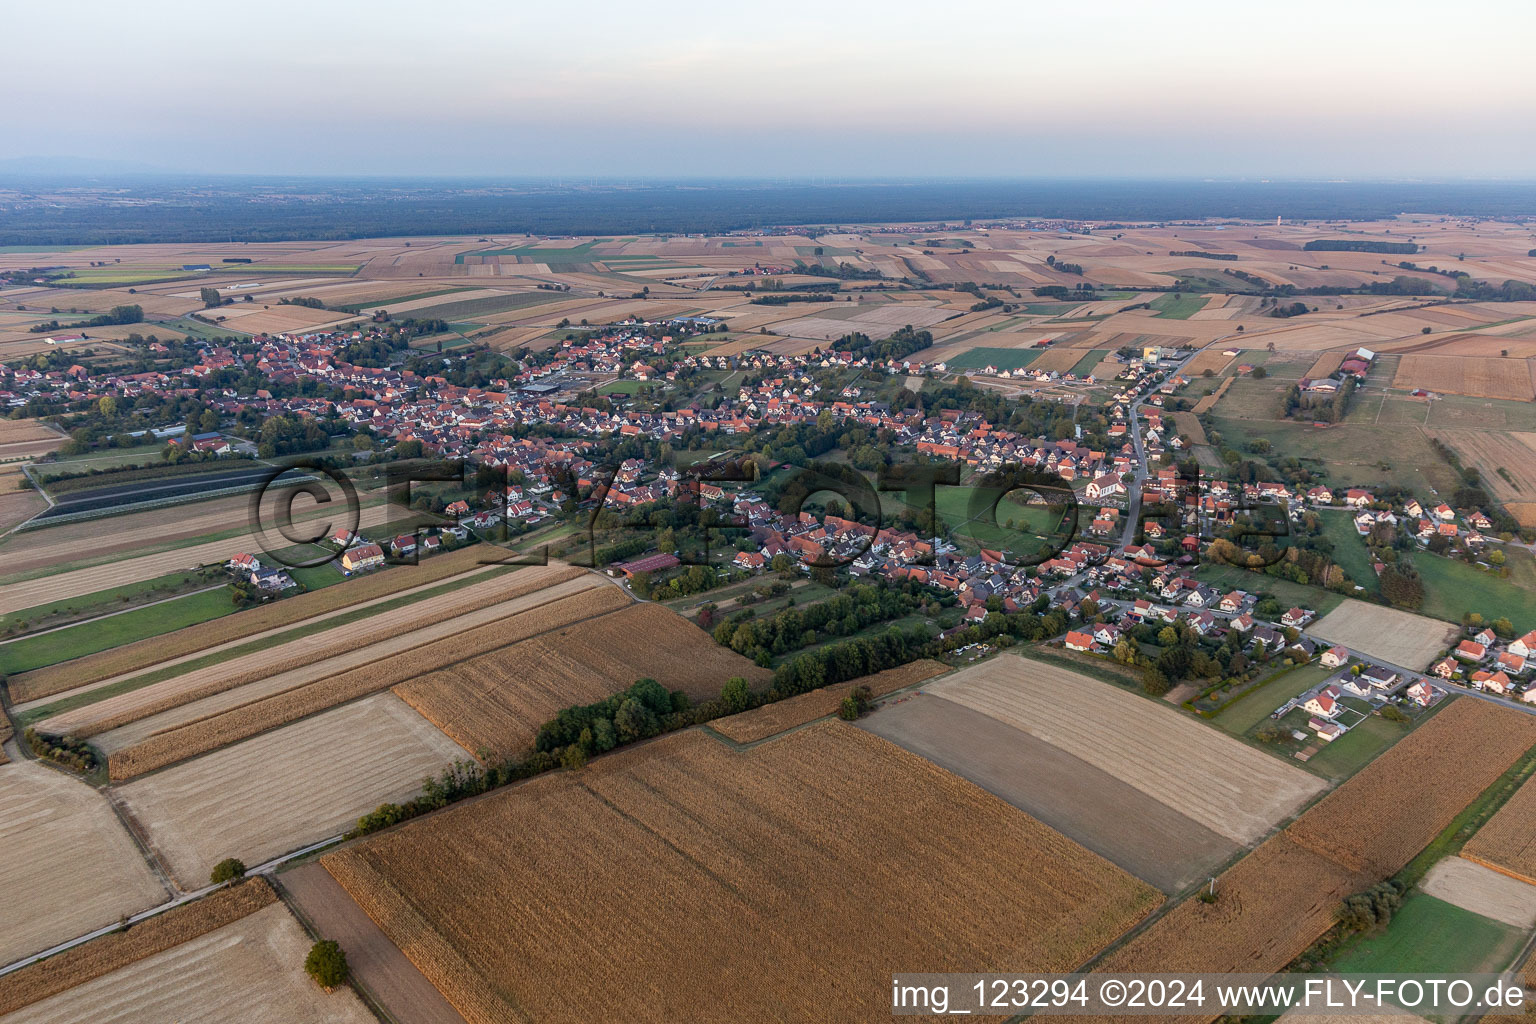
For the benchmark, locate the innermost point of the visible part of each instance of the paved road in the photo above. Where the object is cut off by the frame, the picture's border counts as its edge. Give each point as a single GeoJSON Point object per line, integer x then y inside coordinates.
{"type": "Point", "coordinates": [1133, 502]}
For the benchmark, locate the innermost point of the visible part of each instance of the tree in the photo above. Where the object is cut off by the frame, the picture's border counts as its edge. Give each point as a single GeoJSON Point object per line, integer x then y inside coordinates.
{"type": "Point", "coordinates": [1259, 373]}
{"type": "Point", "coordinates": [327, 964]}
{"type": "Point", "coordinates": [211, 298]}
{"type": "Point", "coordinates": [227, 870]}
{"type": "Point", "coordinates": [736, 694]}
{"type": "Point", "coordinates": [107, 406]}
{"type": "Point", "coordinates": [848, 710]}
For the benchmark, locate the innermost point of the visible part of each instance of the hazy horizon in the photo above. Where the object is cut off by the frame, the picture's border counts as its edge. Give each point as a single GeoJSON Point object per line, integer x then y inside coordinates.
{"type": "Point", "coordinates": [864, 91]}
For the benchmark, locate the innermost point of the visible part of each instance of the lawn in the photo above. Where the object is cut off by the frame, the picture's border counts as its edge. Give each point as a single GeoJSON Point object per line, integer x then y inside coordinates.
{"type": "Point", "coordinates": [1002, 358]}
{"type": "Point", "coordinates": [1356, 748]}
{"type": "Point", "coordinates": [1178, 305]}
{"type": "Point", "coordinates": [1350, 454]}
{"type": "Point", "coordinates": [1431, 936]}
{"type": "Point", "coordinates": [988, 527]}
{"type": "Point", "coordinates": [1263, 700]}
{"type": "Point", "coordinates": [1452, 588]}
{"type": "Point", "coordinates": [1349, 549]}
{"type": "Point", "coordinates": [1230, 577]}
{"type": "Point", "coordinates": [115, 598]}
{"type": "Point", "coordinates": [114, 631]}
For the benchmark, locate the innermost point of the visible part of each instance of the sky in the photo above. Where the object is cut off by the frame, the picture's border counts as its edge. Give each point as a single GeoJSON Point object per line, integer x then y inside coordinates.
{"type": "Point", "coordinates": [833, 89]}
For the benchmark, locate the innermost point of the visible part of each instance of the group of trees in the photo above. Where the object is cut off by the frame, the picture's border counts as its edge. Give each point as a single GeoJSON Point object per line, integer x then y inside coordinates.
{"type": "Point", "coordinates": [633, 714]}
{"type": "Point", "coordinates": [856, 608]}
{"type": "Point", "coordinates": [1323, 408]}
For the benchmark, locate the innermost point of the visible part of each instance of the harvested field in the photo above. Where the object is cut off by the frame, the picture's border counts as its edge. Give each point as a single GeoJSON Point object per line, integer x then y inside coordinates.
{"type": "Point", "coordinates": [1061, 360]}
{"type": "Point", "coordinates": [1505, 460]}
{"type": "Point", "coordinates": [751, 868]}
{"type": "Point", "coordinates": [250, 970]}
{"type": "Point", "coordinates": [112, 952]}
{"type": "Point", "coordinates": [69, 865]}
{"type": "Point", "coordinates": [1086, 804]}
{"type": "Point", "coordinates": [17, 506]}
{"type": "Point", "coordinates": [200, 736]}
{"type": "Point", "coordinates": [326, 653]}
{"type": "Point", "coordinates": [1397, 637]}
{"type": "Point", "coordinates": [1483, 891]}
{"type": "Point", "coordinates": [1456, 755]}
{"type": "Point", "coordinates": [247, 625]}
{"type": "Point", "coordinates": [1207, 403]}
{"type": "Point", "coordinates": [1188, 424]}
{"type": "Point", "coordinates": [780, 716]}
{"type": "Point", "coordinates": [15, 431]}
{"type": "Point", "coordinates": [496, 702]}
{"type": "Point", "coordinates": [1478, 376]}
{"type": "Point", "coordinates": [1507, 842]}
{"type": "Point", "coordinates": [1211, 358]}
{"type": "Point", "coordinates": [259, 799]}
{"type": "Point", "coordinates": [1325, 364]}
{"type": "Point", "coordinates": [1225, 785]}
{"type": "Point", "coordinates": [1274, 903]}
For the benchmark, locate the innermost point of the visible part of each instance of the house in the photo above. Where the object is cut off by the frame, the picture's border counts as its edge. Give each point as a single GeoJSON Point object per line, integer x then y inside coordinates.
{"type": "Point", "coordinates": [1296, 618]}
{"type": "Point", "coordinates": [749, 560]}
{"type": "Point", "coordinates": [272, 579]}
{"type": "Point", "coordinates": [1421, 693]}
{"type": "Point", "coordinates": [1324, 703]}
{"type": "Point", "coordinates": [404, 545]}
{"type": "Point", "coordinates": [1470, 650]}
{"type": "Point", "coordinates": [1381, 678]}
{"type": "Point", "coordinates": [1512, 663]}
{"type": "Point", "coordinates": [1103, 487]}
{"type": "Point", "coordinates": [1107, 634]}
{"type": "Point", "coordinates": [1491, 682]}
{"type": "Point", "coordinates": [1078, 641]}
{"type": "Point", "coordinates": [457, 508]}
{"type": "Point", "coordinates": [244, 563]}
{"type": "Point", "coordinates": [1335, 657]}
{"type": "Point", "coordinates": [361, 558]}
{"type": "Point", "coordinates": [1525, 646]}
{"type": "Point", "coordinates": [1445, 668]}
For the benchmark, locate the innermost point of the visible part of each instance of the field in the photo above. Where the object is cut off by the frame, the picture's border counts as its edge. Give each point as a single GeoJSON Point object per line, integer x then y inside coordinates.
{"type": "Point", "coordinates": [248, 970]}
{"type": "Point", "coordinates": [286, 788]}
{"type": "Point", "coordinates": [732, 880]}
{"type": "Point", "coordinates": [1506, 462]}
{"type": "Point", "coordinates": [792, 712]}
{"type": "Point", "coordinates": [119, 949]}
{"type": "Point", "coordinates": [1213, 358]}
{"type": "Point", "coordinates": [1224, 785]}
{"type": "Point", "coordinates": [17, 431]}
{"type": "Point", "coordinates": [1483, 891]}
{"type": "Point", "coordinates": [496, 702]}
{"type": "Point", "coordinates": [1151, 840]}
{"type": "Point", "coordinates": [1274, 903]}
{"type": "Point", "coordinates": [1452, 588]}
{"type": "Point", "coordinates": [1396, 637]}
{"type": "Point", "coordinates": [1002, 358]}
{"type": "Point", "coordinates": [1477, 376]}
{"type": "Point", "coordinates": [1429, 935]}
{"type": "Point", "coordinates": [456, 640]}
{"type": "Point", "coordinates": [282, 666]}
{"type": "Point", "coordinates": [69, 865]}
{"type": "Point", "coordinates": [252, 624]}
{"type": "Point", "coordinates": [31, 593]}
{"type": "Point", "coordinates": [1508, 841]}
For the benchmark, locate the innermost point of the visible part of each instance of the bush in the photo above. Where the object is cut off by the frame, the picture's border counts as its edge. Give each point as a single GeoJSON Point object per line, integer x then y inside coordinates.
{"type": "Point", "coordinates": [227, 870]}
{"type": "Point", "coordinates": [327, 964]}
